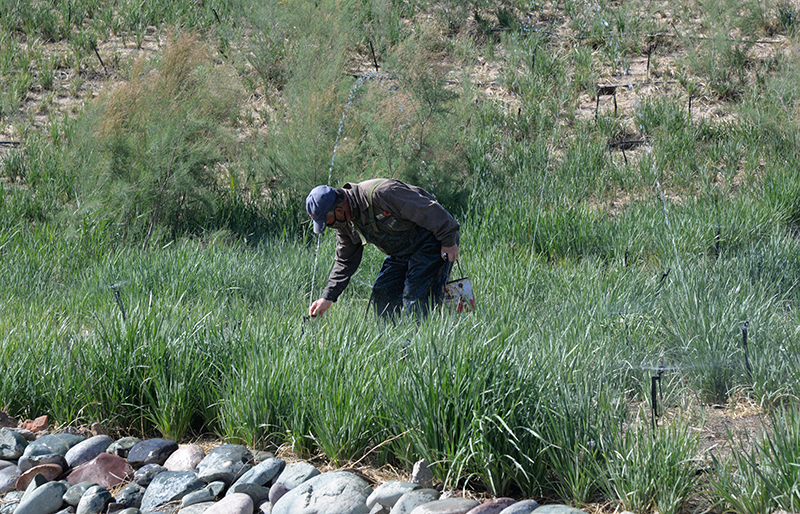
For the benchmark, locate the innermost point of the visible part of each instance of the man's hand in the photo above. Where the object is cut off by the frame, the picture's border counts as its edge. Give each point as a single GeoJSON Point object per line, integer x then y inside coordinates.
{"type": "Point", "coordinates": [451, 253]}
{"type": "Point", "coordinates": [319, 307]}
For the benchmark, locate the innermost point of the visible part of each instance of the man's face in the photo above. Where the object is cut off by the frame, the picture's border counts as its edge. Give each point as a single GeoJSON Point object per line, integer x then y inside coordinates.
{"type": "Point", "coordinates": [337, 219]}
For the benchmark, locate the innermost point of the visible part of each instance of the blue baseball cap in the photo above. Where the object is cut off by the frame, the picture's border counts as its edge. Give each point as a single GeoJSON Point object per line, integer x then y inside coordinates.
{"type": "Point", "coordinates": [318, 204]}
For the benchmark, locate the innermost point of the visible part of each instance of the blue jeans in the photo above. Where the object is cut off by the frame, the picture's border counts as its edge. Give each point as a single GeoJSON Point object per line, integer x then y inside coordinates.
{"type": "Point", "coordinates": [414, 282]}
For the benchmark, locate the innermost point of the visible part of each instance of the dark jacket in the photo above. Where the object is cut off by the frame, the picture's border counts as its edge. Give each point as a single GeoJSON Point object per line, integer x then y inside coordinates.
{"type": "Point", "coordinates": [404, 217]}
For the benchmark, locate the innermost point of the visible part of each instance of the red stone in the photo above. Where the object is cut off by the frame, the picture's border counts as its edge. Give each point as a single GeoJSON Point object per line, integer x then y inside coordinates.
{"type": "Point", "coordinates": [36, 425]}
{"type": "Point", "coordinates": [105, 470]}
{"type": "Point", "coordinates": [49, 471]}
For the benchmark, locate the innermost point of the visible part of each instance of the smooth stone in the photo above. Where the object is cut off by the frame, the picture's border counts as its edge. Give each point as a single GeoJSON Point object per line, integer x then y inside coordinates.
{"type": "Point", "coordinates": [558, 509]}
{"type": "Point", "coordinates": [38, 480]}
{"type": "Point", "coordinates": [45, 499]}
{"type": "Point", "coordinates": [276, 492]}
{"type": "Point", "coordinates": [264, 508]}
{"type": "Point", "coordinates": [87, 450]}
{"type": "Point", "coordinates": [129, 511]}
{"type": "Point", "coordinates": [8, 478]}
{"type": "Point", "coordinates": [73, 495]}
{"type": "Point", "coordinates": [494, 506]}
{"type": "Point", "coordinates": [296, 473]}
{"type": "Point", "coordinates": [27, 462]}
{"type": "Point", "coordinates": [260, 456]}
{"type": "Point", "coordinates": [94, 501]}
{"type": "Point", "coordinates": [6, 464]}
{"type": "Point", "coordinates": [197, 508]}
{"type": "Point", "coordinates": [262, 473]}
{"type": "Point", "coordinates": [27, 434]}
{"type": "Point", "coordinates": [413, 499]}
{"type": "Point", "coordinates": [147, 473]}
{"type": "Point", "coordinates": [234, 504]}
{"type": "Point", "coordinates": [130, 496]}
{"type": "Point", "coordinates": [105, 470]}
{"type": "Point", "coordinates": [48, 471]}
{"type": "Point", "coordinates": [185, 458]}
{"type": "Point", "coordinates": [68, 510]}
{"type": "Point", "coordinates": [69, 439]}
{"type": "Point", "coordinates": [121, 447]}
{"type": "Point", "coordinates": [521, 507]}
{"type": "Point", "coordinates": [335, 492]}
{"type": "Point", "coordinates": [151, 451]}
{"type": "Point", "coordinates": [209, 493]}
{"type": "Point", "coordinates": [46, 445]}
{"type": "Point", "coordinates": [448, 506]}
{"type": "Point", "coordinates": [257, 493]}
{"type": "Point", "coordinates": [379, 509]}
{"type": "Point", "coordinates": [227, 463]}
{"type": "Point", "coordinates": [388, 493]}
{"type": "Point", "coordinates": [12, 445]}
{"type": "Point", "coordinates": [10, 502]}
{"type": "Point", "coordinates": [170, 486]}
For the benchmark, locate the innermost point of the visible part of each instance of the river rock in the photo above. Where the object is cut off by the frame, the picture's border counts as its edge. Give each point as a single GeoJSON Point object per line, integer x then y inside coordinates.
{"type": "Point", "coordinates": [151, 451]}
{"type": "Point", "coordinates": [129, 510]}
{"type": "Point", "coordinates": [170, 486]}
{"type": "Point", "coordinates": [69, 509]}
{"type": "Point", "coordinates": [558, 509]}
{"type": "Point", "coordinates": [209, 493]}
{"type": "Point", "coordinates": [12, 444]}
{"type": "Point", "coordinates": [105, 470]}
{"type": "Point", "coordinates": [130, 496]}
{"type": "Point", "coordinates": [121, 447]}
{"type": "Point", "coordinates": [10, 502]}
{"type": "Point", "coordinates": [94, 500]}
{"type": "Point", "coordinates": [147, 473]}
{"type": "Point", "coordinates": [257, 493]}
{"type": "Point", "coordinates": [197, 508]}
{"type": "Point", "coordinates": [422, 474]}
{"type": "Point", "coordinates": [296, 473]}
{"type": "Point", "coordinates": [448, 506]}
{"type": "Point", "coordinates": [87, 450]}
{"type": "Point", "coordinates": [6, 463]}
{"type": "Point", "coordinates": [227, 463]}
{"type": "Point", "coordinates": [233, 504]}
{"type": "Point", "coordinates": [48, 471]}
{"type": "Point", "coordinates": [494, 506]}
{"type": "Point", "coordinates": [262, 473]}
{"type": "Point", "coordinates": [8, 478]}
{"type": "Point", "coordinates": [36, 425]}
{"type": "Point", "coordinates": [185, 458]}
{"type": "Point", "coordinates": [521, 507]}
{"type": "Point", "coordinates": [37, 481]}
{"type": "Point", "coordinates": [276, 492]}
{"type": "Point", "coordinates": [73, 495]}
{"type": "Point", "coordinates": [388, 493]}
{"type": "Point", "coordinates": [45, 499]}
{"type": "Point", "coordinates": [336, 492]}
{"type": "Point", "coordinates": [413, 499]}
{"type": "Point", "coordinates": [69, 439]}
{"type": "Point", "coordinates": [7, 421]}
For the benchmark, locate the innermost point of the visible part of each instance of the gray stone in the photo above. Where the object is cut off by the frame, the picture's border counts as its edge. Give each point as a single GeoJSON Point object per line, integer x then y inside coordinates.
{"type": "Point", "coordinates": [227, 463]}
{"type": "Point", "coordinates": [94, 500]}
{"type": "Point", "coordinates": [558, 509]}
{"type": "Point", "coordinates": [296, 473]}
{"type": "Point", "coordinates": [380, 509]}
{"type": "Point", "coordinates": [68, 510]}
{"type": "Point", "coordinates": [45, 499]}
{"type": "Point", "coordinates": [47, 445]}
{"type": "Point", "coordinates": [257, 493]}
{"type": "Point", "coordinates": [129, 511]}
{"type": "Point", "coordinates": [196, 508]}
{"type": "Point", "coordinates": [264, 508]}
{"type": "Point", "coordinates": [276, 492]}
{"type": "Point", "coordinates": [121, 447]}
{"type": "Point", "coordinates": [209, 493]}
{"type": "Point", "coordinates": [494, 506]}
{"type": "Point", "coordinates": [24, 432]}
{"type": "Point", "coordinates": [413, 499]}
{"type": "Point", "coordinates": [422, 474]}
{"type": "Point", "coordinates": [151, 451]}
{"type": "Point", "coordinates": [5, 463]}
{"type": "Point", "coordinates": [37, 481]}
{"type": "Point", "coordinates": [87, 450]}
{"type": "Point", "coordinates": [448, 506]}
{"type": "Point", "coordinates": [8, 478]}
{"type": "Point", "coordinates": [262, 455]}
{"type": "Point", "coordinates": [147, 473]}
{"type": "Point", "coordinates": [10, 502]}
{"type": "Point", "coordinates": [170, 486]}
{"type": "Point", "coordinates": [233, 504]}
{"type": "Point", "coordinates": [73, 495]}
{"type": "Point", "coordinates": [12, 445]}
{"type": "Point", "coordinates": [27, 462]}
{"type": "Point", "coordinates": [185, 458]}
{"type": "Point", "coordinates": [262, 473]}
{"type": "Point", "coordinates": [336, 492]}
{"type": "Point", "coordinates": [521, 507]}
{"type": "Point", "coordinates": [388, 493]}
{"type": "Point", "coordinates": [130, 496]}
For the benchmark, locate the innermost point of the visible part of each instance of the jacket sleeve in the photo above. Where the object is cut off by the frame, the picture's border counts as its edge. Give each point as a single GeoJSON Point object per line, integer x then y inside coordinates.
{"type": "Point", "coordinates": [348, 258]}
{"type": "Point", "coordinates": [416, 205]}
